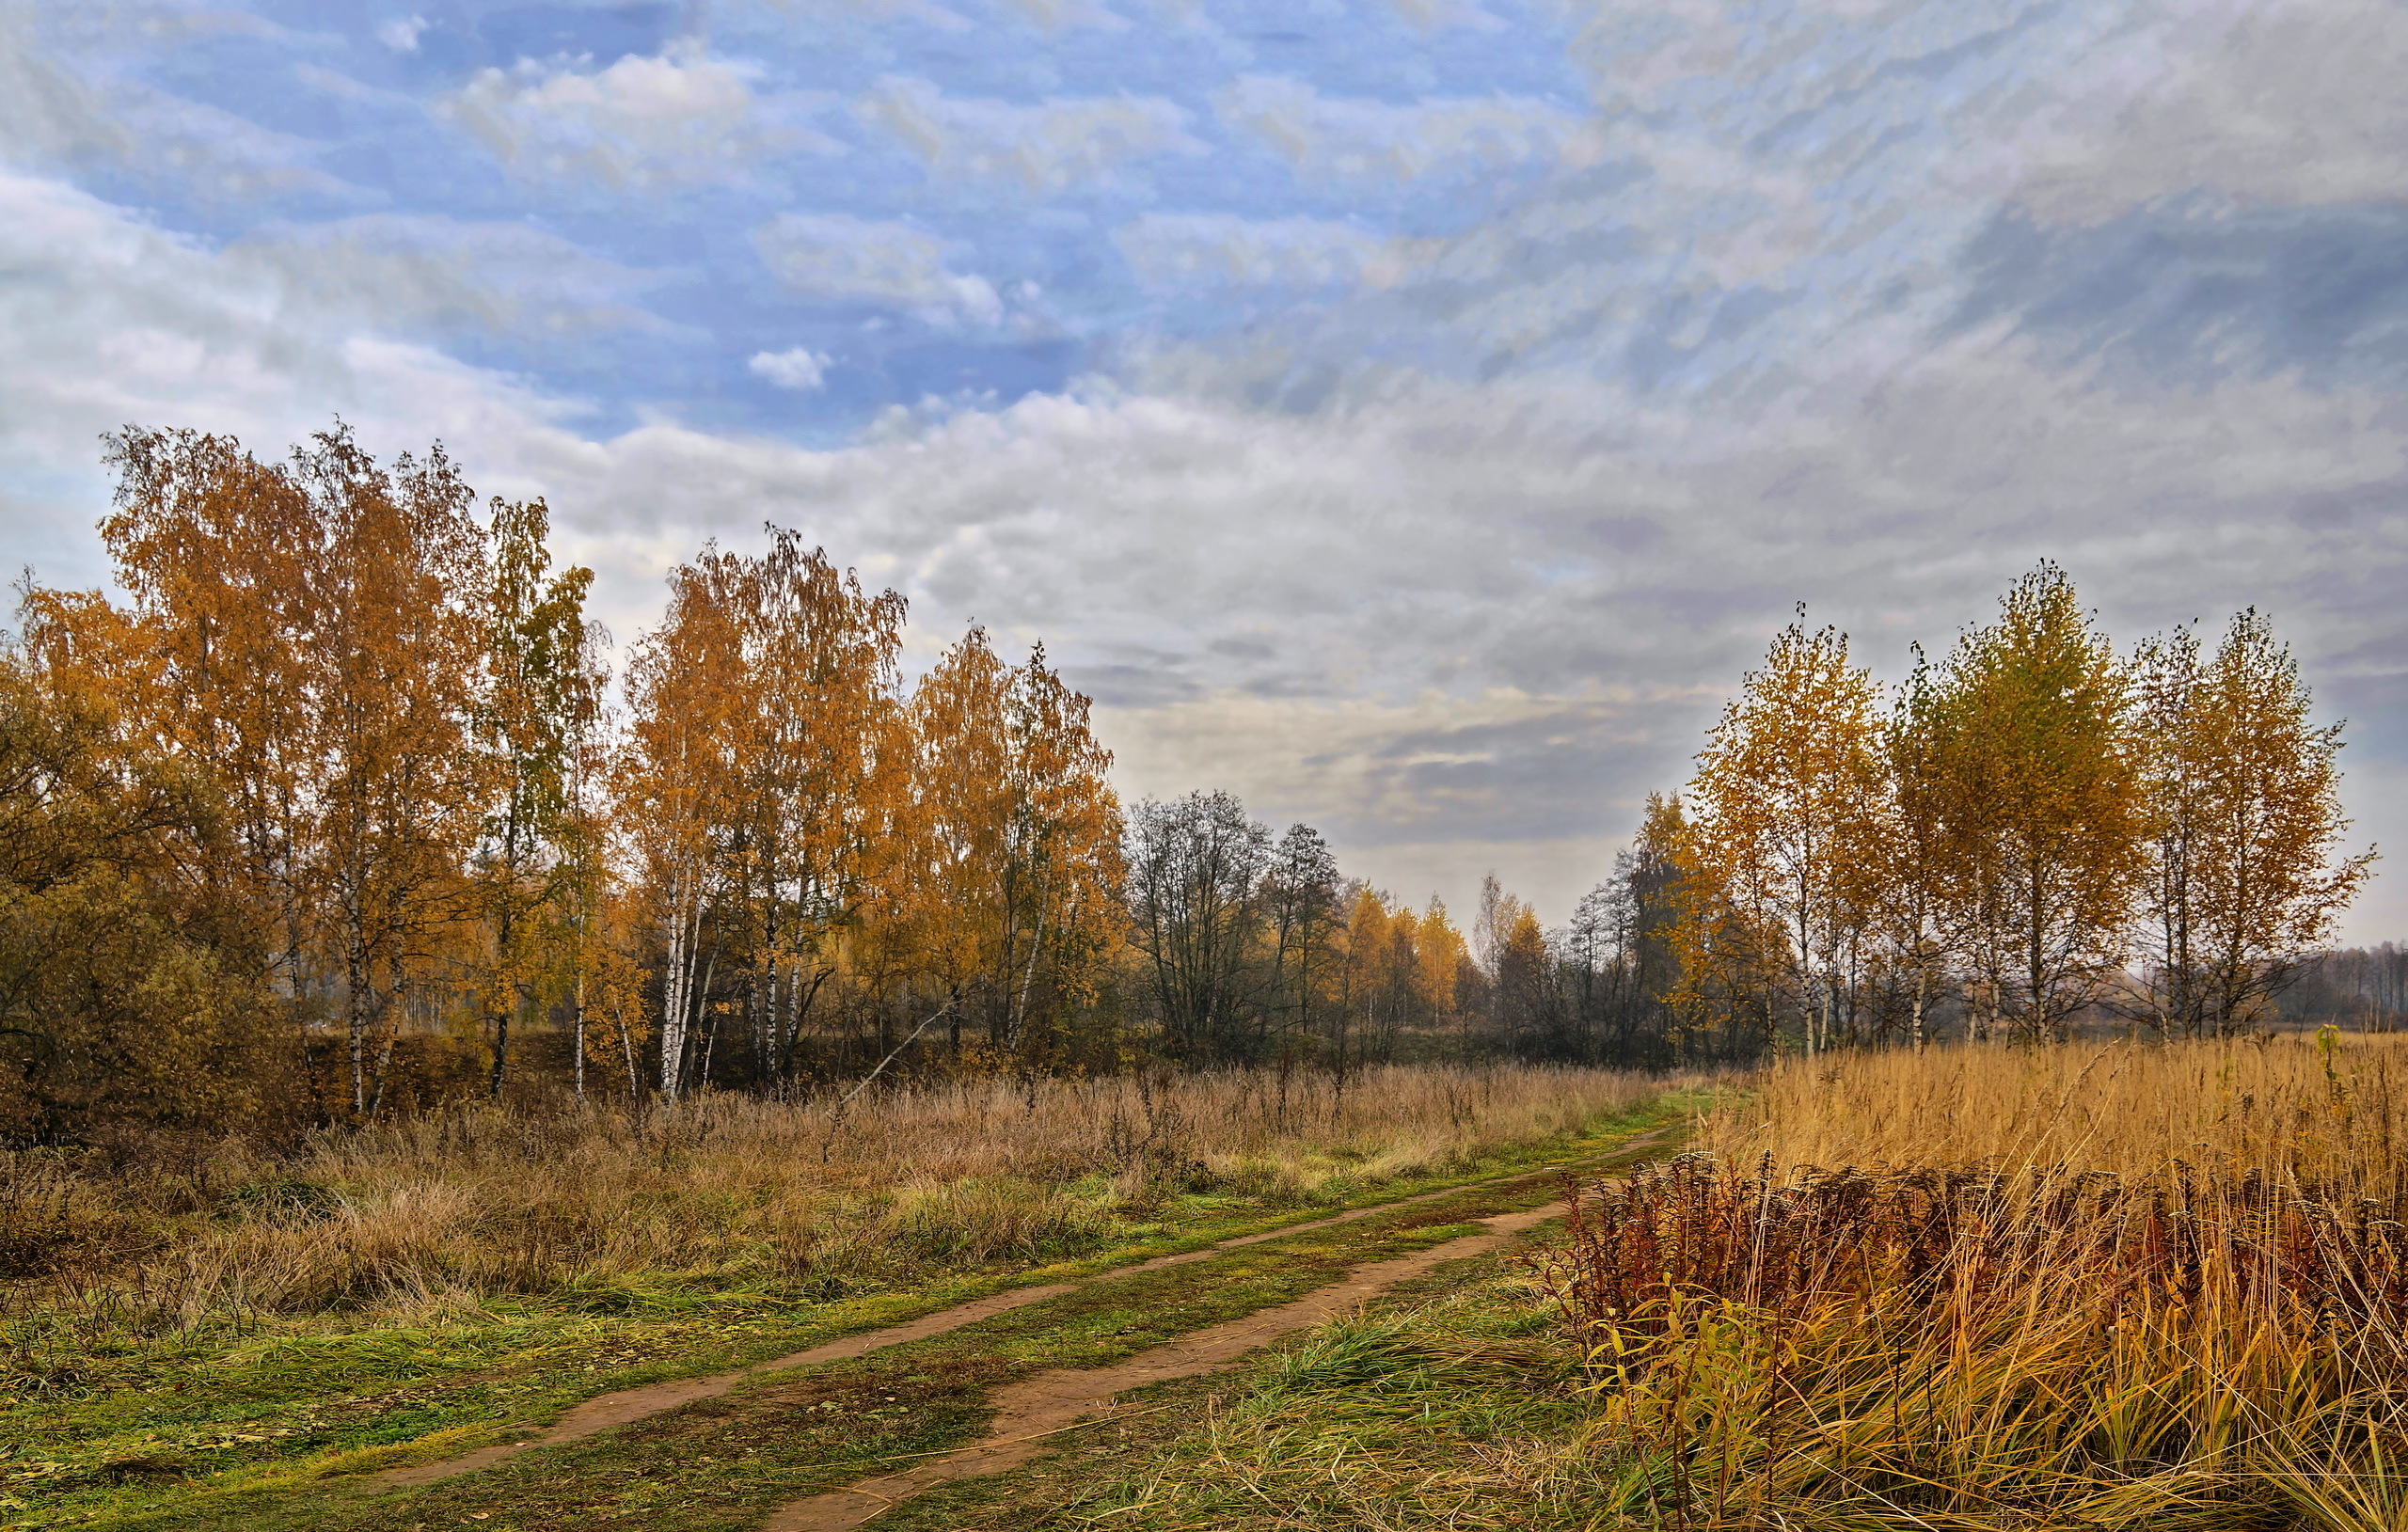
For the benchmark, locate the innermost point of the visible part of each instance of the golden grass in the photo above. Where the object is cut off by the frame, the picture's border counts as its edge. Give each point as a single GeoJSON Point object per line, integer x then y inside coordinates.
{"type": "Point", "coordinates": [442, 1214]}
{"type": "Point", "coordinates": [2329, 1111]}
{"type": "Point", "coordinates": [2121, 1287]}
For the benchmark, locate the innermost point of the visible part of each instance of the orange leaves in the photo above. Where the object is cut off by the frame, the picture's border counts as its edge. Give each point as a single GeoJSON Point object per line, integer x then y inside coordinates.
{"type": "Point", "coordinates": [1994, 838]}
{"type": "Point", "coordinates": [2246, 819]}
{"type": "Point", "coordinates": [1789, 803]}
{"type": "Point", "coordinates": [1015, 908]}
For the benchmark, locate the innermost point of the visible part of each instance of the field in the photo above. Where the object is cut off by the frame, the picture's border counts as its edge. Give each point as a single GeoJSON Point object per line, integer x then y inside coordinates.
{"type": "Point", "coordinates": [193, 1330]}
{"type": "Point", "coordinates": [2120, 1287]}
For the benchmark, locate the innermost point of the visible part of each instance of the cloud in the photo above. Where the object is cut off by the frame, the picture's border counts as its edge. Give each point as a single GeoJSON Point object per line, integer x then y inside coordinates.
{"type": "Point", "coordinates": [680, 117]}
{"type": "Point", "coordinates": [110, 321]}
{"type": "Point", "coordinates": [402, 33]}
{"type": "Point", "coordinates": [2289, 102]}
{"type": "Point", "coordinates": [1183, 252]}
{"type": "Point", "coordinates": [1045, 149]}
{"type": "Point", "coordinates": [66, 102]}
{"type": "Point", "coordinates": [2197, 289]}
{"type": "Point", "coordinates": [1347, 139]}
{"type": "Point", "coordinates": [798, 369]}
{"type": "Point", "coordinates": [840, 259]}
{"type": "Point", "coordinates": [414, 274]}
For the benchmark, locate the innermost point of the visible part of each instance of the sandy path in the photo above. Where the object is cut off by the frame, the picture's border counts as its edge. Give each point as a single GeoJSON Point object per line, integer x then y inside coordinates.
{"type": "Point", "coordinates": [1035, 1408]}
{"type": "Point", "coordinates": [629, 1405]}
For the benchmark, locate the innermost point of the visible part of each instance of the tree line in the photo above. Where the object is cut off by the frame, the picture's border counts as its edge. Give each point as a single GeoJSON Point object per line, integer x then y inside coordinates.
{"type": "Point", "coordinates": [2030, 833]}
{"type": "Point", "coordinates": [341, 811]}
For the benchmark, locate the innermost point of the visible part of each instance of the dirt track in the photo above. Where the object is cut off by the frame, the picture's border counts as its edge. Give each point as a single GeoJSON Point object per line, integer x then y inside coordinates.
{"type": "Point", "coordinates": [607, 1410]}
{"type": "Point", "coordinates": [1035, 1408]}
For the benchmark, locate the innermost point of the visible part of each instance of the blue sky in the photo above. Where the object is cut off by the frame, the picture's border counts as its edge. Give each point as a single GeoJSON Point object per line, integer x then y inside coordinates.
{"type": "Point", "coordinates": [1413, 414]}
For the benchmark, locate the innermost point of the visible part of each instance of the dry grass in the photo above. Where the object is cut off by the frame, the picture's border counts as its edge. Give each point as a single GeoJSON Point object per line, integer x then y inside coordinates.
{"type": "Point", "coordinates": [2325, 1112]}
{"type": "Point", "coordinates": [2130, 1287]}
{"type": "Point", "coordinates": [443, 1215]}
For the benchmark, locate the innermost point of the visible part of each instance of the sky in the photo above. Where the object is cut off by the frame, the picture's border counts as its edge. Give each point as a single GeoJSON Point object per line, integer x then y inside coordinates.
{"type": "Point", "coordinates": [1414, 416]}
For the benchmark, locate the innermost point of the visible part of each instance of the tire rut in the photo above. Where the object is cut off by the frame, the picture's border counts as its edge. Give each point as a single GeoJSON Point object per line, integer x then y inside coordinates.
{"type": "Point", "coordinates": [627, 1406]}
{"type": "Point", "coordinates": [1035, 1408]}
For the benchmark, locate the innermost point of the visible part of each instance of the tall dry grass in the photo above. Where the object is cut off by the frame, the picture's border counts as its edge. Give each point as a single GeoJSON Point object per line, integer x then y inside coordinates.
{"type": "Point", "coordinates": [454, 1210]}
{"type": "Point", "coordinates": [2327, 1111]}
{"type": "Point", "coordinates": [2136, 1286]}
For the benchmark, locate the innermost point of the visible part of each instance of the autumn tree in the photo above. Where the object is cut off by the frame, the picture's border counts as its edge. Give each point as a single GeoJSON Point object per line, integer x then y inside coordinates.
{"type": "Point", "coordinates": [540, 696]}
{"type": "Point", "coordinates": [220, 555]}
{"type": "Point", "coordinates": [314, 631]}
{"type": "Point", "coordinates": [1301, 902]}
{"type": "Point", "coordinates": [127, 979]}
{"type": "Point", "coordinates": [767, 770]}
{"type": "Point", "coordinates": [2037, 769]}
{"type": "Point", "coordinates": [677, 778]}
{"type": "Point", "coordinates": [2245, 820]}
{"type": "Point", "coordinates": [821, 767]}
{"type": "Point", "coordinates": [401, 559]}
{"type": "Point", "coordinates": [1916, 906]}
{"type": "Point", "coordinates": [1019, 912]}
{"type": "Point", "coordinates": [1788, 806]}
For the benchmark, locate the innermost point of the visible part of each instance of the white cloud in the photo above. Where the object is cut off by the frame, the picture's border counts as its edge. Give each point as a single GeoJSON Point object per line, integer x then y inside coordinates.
{"type": "Point", "coordinates": [62, 105]}
{"type": "Point", "coordinates": [676, 118]}
{"type": "Point", "coordinates": [1046, 147]}
{"type": "Point", "coordinates": [405, 274]}
{"type": "Point", "coordinates": [1436, 15]}
{"type": "Point", "coordinates": [1183, 252]}
{"type": "Point", "coordinates": [402, 33]}
{"type": "Point", "coordinates": [2287, 102]}
{"type": "Point", "coordinates": [109, 321]}
{"type": "Point", "coordinates": [1346, 138]}
{"type": "Point", "coordinates": [1054, 15]}
{"type": "Point", "coordinates": [841, 259]}
{"type": "Point", "coordinates": [800, 368]}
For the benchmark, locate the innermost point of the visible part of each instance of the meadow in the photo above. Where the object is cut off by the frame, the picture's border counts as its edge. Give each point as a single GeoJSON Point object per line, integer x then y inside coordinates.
{"type": "Point", "coordinates": [2120, 1286]}
{"type": "Point", "coordinates": [185, 1314]}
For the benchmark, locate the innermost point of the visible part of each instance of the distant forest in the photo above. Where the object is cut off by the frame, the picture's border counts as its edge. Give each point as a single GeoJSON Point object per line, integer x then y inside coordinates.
{"type": "Point", "coordinates": [341, 811]}
{"type": "Point", "coordinates": [2355, 987]}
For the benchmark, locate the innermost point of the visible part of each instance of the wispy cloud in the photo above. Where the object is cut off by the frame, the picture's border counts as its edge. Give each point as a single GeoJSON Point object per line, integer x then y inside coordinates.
{"type": "Point", "coordinates": [676, 118]}
{"type": "Point", "coordinates": [841, 259]}
{"type": "Point", "coordinates": [1044, 148]}
{"type": "Point", "coordinates": [1342, 137]}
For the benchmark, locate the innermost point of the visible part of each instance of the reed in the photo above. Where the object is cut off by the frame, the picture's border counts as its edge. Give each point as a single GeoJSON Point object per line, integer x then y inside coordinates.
{"type": "Point", "coordinates": [2135, 1286]}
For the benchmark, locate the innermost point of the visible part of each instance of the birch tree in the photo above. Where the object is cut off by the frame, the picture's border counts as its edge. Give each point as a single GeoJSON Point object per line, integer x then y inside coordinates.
{"type": "Point", "coordinates": [2243, 872]}
{"type": "Point", "coordinates": [2035, 769]}
{"type": "Point", "coordinates": [1788, 817]}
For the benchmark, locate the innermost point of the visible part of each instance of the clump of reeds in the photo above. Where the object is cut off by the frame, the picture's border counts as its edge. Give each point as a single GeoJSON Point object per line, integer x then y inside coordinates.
{"type": "Point", "coordinates": [2152, 1330]}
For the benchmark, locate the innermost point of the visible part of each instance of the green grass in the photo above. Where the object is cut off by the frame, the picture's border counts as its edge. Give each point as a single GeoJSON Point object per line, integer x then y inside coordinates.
{"type": "Point", "coordinates": [1449, 1404]}
{"type": "Point", "coordinates": [256, 1430]}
